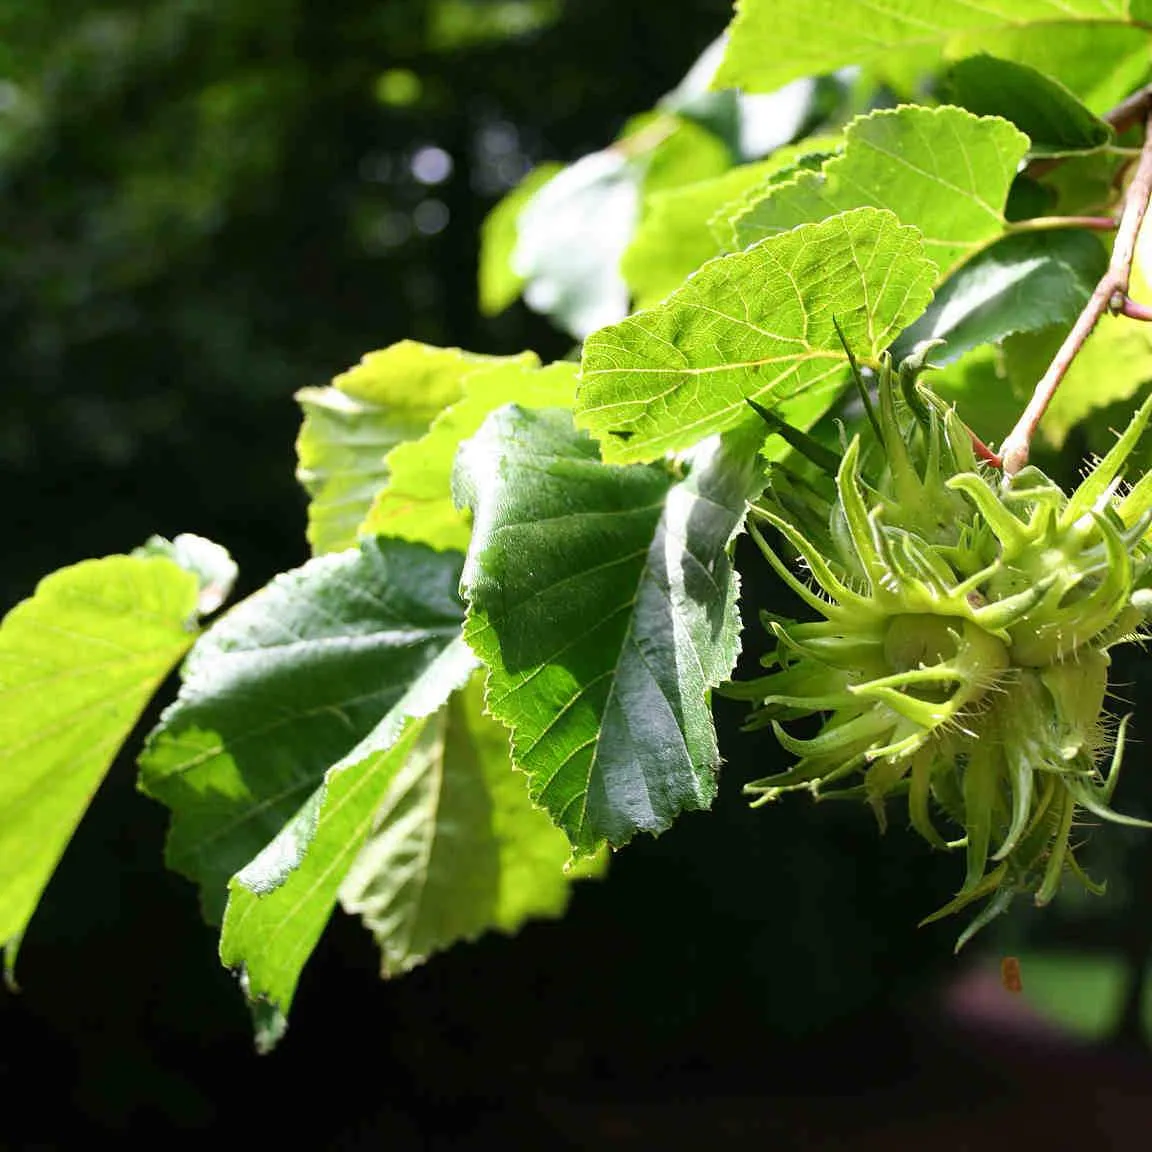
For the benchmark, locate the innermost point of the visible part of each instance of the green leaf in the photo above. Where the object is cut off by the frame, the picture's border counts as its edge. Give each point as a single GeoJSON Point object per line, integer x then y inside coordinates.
{"type": "Point", "coordinates": [207, 561]}
{"type": "Point", "coordinates": [754, 325]}
{"type": "Point", "coordinates": [389, 397]}
{"type": "Point", "coordinates": [416, 502]}
{"type": "Point", "coordinates": [571, 236]}
{"type": "Point", "coordinates": [676, 236]}
{"type": "Point", "coordinates": [1115, 361]}
{"type": "Point", "coordinates": [687, 154]}
{"type": "Point", "coordinates": [500, 283]}
{"type": "Point", "coordinates": [284, 686]}
{"type": "Point", "coordinates": [1022, 283]}
{"type": "Point", "coordinates": [693, 98]}
{"type": "Point", "coordinates": [772, 42]}
{"type": "Point", "coordinates": [574, 230]}
{"type": "Point", "coordinates": [602, 601]}
{"type": "Point", "coordinates": [674, 239]}
{"type": "Point", "coordinates": [1029, 198]}
{"type": "Point", "coordinates": [809, 155]}
{"type": "Point", "coordinates": [458, 848]}
{"type": "Point", "coordinates": [1085, 185]}
{"type": "Point", "coordinates": [1052, 118]}
{"type": "Point", "coordinates": [280, 902]}
{"type": "Point", "coordinates": [79, 661]}
{"type": "Point", "coordinates": [1098, 63]}
{"type": "Point", "coordinates": [942, 170]}
{"type": "Point", "coordinates": [991, 386]}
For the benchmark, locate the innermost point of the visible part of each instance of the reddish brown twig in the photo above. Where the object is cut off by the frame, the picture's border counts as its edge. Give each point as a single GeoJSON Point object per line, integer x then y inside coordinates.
{"type": "Point", "coordinates": [1109, 295]}
{"type": "Point", "coordinates": [1133, 310]}
{"type": "Point", "coordinates": [1131, 111]}
{"type": "Point", "coordinates": [983, 451]}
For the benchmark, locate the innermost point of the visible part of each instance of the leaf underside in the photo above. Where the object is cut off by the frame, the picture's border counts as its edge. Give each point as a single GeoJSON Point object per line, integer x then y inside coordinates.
{"type": "Point", "coordinates": [458, 848]}
{"type": "Point", "coordinates": [79, 661]}
{"type": "Point", "coordinates": [282, 688]}
{"type": "Point", "coordinates": [1052, 118]}
{"type": "Point", "coordinates": [280, 902]}
{"type": "Point", "coordinates": [760, 325]}
{"type": "Point", "coordinates": [1022, 283]}
{"type": "Point", "coordinates": [350, 427]}
{"type": "Point", "coordinates": [415, 502]}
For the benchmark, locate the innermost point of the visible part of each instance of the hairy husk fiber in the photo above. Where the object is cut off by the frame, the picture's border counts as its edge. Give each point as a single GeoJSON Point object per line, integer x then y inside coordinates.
{"type": "Point", "coordinates": [958, 652]}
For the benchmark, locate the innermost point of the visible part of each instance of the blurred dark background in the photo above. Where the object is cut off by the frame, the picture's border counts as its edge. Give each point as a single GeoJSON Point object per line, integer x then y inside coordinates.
{"type": "Point", "coordinates": [206, 206]}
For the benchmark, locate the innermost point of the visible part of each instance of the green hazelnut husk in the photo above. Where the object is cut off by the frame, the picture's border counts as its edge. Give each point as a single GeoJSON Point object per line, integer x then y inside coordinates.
{"type": "Point", "coordinates": [957, 653]}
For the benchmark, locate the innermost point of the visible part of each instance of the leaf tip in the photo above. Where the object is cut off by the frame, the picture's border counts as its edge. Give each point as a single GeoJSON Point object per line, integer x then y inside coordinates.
{"type": "Point", "coordinates": [269, 1021]}
{"type": "Point", "coordinates": [11, 948]}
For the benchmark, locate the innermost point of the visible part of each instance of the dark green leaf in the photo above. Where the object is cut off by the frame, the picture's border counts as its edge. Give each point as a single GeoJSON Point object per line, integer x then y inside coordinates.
{"type": "Point", "coordinates": [283, 687]}
{"type": "Point", "coordinates": [1022, 283]}
{"type": "Point", "coordinates": [279, 903]}
{"type": "Point", "coordinates": [1098, 63]}
{"type": "Point", "coordinates": [1085, 185]}
{"type": "Point", "coordinates": [603, 602]}
{"type": "Point", "coordinates": [1029, 198]}
{"type": "Point", "coordinates": [1052, 118]}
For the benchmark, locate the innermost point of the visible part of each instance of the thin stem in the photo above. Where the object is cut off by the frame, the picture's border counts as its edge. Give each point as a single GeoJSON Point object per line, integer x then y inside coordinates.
{"type": "Point", "coordinates": [1131, 111]}
{"type": "Point", "coordinates": [1044, 223]}
{"type": "Point", "coordinates": [1109, 294]}
{"type": "Point", "coordinates": [983, 451]}
{"type": "Point", "coordinates": [649, 137]}
{"type": "Point", "coordinates": [1134, 310]}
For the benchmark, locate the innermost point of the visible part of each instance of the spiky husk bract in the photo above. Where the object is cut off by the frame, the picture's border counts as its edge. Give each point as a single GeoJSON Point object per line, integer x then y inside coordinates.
{"type": "Point", "coordinates": [959, 652]}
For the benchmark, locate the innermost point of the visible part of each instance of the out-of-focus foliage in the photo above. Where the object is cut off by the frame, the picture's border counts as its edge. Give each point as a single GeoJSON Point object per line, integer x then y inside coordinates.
{"type": "Point", "coordinates": [205, 207]}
